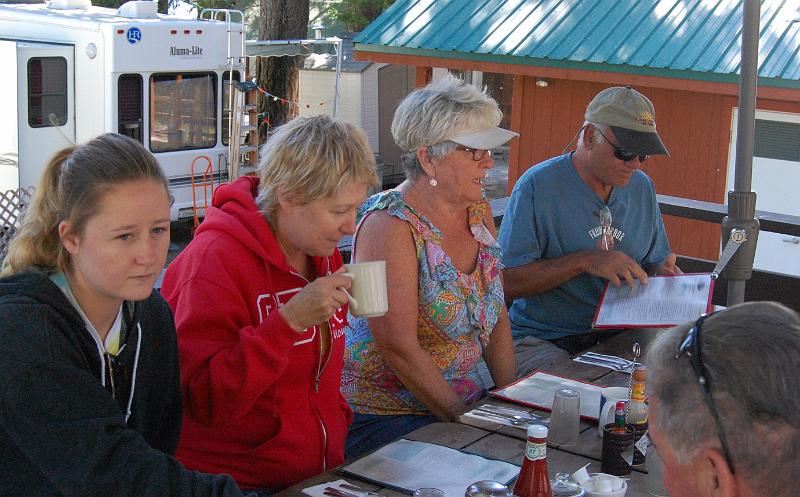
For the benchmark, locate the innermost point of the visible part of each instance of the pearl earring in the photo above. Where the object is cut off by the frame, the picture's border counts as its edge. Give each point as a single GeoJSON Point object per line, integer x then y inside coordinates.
{"type": "Point", "coordinates": [433, 182]}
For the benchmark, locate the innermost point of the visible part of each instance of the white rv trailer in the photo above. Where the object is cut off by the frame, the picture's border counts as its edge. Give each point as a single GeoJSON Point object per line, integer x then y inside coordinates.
{"type": "Point", "coordinates": [82, 71]}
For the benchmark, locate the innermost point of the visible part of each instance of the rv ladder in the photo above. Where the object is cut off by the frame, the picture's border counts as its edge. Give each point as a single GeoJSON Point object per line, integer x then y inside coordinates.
{"type": "Point", "coordinates": [243, 141]}
{"type": "Point", "coordinates": [229, 16]}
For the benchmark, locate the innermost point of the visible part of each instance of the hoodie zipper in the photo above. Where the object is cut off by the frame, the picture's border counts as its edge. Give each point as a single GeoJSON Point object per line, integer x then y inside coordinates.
{"type": "Point", "coordinates": [320, 368]}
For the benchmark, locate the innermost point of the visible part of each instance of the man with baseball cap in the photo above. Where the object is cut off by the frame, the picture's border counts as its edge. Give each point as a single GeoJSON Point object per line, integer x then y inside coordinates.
{"type": "Point", "coordinates": [578, 220]}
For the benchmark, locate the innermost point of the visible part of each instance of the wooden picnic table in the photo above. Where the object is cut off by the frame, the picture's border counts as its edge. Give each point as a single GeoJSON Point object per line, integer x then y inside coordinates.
{"type": "Point", "coordinates": [507, 443]}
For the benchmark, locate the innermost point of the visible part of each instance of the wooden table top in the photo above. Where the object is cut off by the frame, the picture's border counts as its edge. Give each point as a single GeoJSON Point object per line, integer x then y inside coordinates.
{"type": "Point", "coordinates": [507, 443]}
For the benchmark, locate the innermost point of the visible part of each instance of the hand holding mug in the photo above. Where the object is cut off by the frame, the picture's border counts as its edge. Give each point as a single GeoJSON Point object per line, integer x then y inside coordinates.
{"type": "Point", "coordinates": [317, 301]}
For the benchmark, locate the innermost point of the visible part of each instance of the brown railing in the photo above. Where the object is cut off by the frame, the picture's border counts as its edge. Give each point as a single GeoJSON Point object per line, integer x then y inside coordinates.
{"type": "Point", "coordinates": [764, 285]}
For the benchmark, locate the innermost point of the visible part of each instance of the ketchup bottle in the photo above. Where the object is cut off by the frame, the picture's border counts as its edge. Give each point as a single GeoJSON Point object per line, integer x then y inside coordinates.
{"type": "Point", "coordinates": [533, 479]}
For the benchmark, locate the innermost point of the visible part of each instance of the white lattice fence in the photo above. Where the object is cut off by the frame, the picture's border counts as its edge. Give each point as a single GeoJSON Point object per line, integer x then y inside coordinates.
{"type": "Point", "coordinates": [12, 207]}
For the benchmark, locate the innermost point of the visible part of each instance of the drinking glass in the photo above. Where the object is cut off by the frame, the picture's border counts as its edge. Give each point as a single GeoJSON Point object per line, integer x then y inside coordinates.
{"type": "Point", "coordinates": [655, 477]}
{"type": "Point", "coordinates": [565, 418]}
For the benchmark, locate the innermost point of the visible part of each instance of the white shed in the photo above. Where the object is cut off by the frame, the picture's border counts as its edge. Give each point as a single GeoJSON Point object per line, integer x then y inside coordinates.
{"type": "Point", "coordinates": [368, 95]}
{"type": "Point", "coordinates": [358, 90]}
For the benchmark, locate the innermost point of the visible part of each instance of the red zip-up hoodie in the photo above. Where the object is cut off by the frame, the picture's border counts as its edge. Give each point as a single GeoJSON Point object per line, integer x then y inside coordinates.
{"type": "Point", "coordinates": [261, 403]}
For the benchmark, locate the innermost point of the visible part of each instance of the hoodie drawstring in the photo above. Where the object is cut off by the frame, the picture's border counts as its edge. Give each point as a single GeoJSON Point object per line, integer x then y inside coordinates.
{"type": "Point", "coordinates": [135, 368]}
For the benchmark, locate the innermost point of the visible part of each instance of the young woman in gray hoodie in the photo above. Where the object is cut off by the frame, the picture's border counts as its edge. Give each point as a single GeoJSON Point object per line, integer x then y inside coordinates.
{"type": "Point", "coordinates": [90, 401]}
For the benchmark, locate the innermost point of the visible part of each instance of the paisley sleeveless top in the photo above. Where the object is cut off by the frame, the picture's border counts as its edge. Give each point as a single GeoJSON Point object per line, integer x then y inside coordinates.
{"type": "Point", "coordinates": [456, 314]}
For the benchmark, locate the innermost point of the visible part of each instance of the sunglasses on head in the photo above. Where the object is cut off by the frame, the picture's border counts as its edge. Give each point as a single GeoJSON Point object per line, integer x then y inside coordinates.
{"type": "Point", "coordinates": [620, 153]}
{"type": "Point", "coordinates": [690, 346]}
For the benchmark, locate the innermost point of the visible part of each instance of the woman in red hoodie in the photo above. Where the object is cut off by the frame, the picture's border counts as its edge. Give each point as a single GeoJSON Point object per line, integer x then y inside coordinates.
{"type": "Point", "coordinates": [260, 310]}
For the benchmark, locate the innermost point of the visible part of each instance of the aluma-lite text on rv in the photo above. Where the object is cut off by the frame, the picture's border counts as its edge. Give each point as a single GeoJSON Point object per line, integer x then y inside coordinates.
{"type": "Point", "coordinates": [82, 71]}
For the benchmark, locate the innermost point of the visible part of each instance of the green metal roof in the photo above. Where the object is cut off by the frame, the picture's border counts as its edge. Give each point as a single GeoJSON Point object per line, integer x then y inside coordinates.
{"type": "Point", "coordinates": [697, 39]}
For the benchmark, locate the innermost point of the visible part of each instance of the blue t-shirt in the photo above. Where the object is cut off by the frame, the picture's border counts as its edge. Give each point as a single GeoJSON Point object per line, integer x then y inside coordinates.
{"type": "Point", "coordinates": [553, 212]}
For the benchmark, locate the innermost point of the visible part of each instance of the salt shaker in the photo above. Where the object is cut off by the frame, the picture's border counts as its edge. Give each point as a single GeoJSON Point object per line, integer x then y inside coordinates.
{"type": "Point", "coordinates": [565, 486]}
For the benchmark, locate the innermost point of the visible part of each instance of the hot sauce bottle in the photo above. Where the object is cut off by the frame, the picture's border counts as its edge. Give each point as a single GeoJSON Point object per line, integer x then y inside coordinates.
{"type": "Point", "coordinates": [533, 479]}
{"type": "Point", "coordinates": [619, 417]}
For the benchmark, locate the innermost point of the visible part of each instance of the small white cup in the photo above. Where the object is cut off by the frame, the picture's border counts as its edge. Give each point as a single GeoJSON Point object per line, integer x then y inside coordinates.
{"type": "Point", "coordinates": [368, 297]}
{"type": "Point", "coordinates": [608, 400]}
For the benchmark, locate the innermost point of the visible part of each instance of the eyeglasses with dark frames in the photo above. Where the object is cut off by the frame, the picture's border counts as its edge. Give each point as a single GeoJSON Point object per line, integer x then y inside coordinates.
{"type": "Point", "coordinates": [477, 153]}
{"type": "Point", "coordinates": [620, 153]}
{"type": "Point", "coordinates": [690, 345]}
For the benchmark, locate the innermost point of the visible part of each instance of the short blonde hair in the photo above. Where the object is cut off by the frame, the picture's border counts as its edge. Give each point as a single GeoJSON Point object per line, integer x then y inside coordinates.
{"type": "Point", "coordinates": [313, 157]}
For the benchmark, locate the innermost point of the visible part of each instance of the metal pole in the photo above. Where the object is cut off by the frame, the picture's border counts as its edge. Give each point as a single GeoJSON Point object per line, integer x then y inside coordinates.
{"type": "Point", "coordinates": [747, 97]}
{"type": "Point", "coordinates": [338, 46]}
{"type": "Point", "coordinates": [742, 201]}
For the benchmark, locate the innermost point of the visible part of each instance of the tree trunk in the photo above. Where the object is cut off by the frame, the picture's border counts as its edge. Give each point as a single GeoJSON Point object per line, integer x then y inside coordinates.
{"type": "Point", "coordinates": [280, 20]}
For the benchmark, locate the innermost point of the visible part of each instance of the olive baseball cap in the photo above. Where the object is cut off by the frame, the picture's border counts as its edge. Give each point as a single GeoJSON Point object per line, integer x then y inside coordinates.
{"type": "Point", "coordinates": [632, 118]}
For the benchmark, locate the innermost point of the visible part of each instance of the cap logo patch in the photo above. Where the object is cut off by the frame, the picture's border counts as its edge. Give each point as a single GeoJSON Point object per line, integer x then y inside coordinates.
{"type": "Point", "coordinates": [647, 118]}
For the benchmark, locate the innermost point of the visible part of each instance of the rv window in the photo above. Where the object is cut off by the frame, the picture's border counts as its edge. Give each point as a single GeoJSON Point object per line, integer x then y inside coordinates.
{"type": "Point", "coordinates": [47, 91]}
{"type": "Point", "coordinates": [226, 104]}
{"type": "Point", "coordinates": [183, 111]}
{"type": "Point", "coordinates": [129, 106]}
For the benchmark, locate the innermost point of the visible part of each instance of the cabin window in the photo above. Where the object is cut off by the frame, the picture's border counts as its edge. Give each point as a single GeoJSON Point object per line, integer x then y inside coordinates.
{"type": "Point", "coordinates": [226, 104]}
{"type": "Point", "coordinates": [47, 92]}
{"type": "Point", "coordinates": [129, 106]}
{"type": "Point", "coordinates": [183, 111]}
{"type": "Point", "coordinates": [777, 140]}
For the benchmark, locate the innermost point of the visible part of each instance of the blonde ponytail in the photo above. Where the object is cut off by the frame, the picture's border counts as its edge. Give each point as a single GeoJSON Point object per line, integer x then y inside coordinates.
{"type": "Point", "coordinates": [37, 243]}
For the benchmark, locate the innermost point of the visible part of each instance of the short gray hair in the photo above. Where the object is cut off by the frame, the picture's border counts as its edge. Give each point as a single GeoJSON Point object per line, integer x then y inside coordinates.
{"type": "Point", "coordinates": [751, 353]}
{"type": "Point", "coordinates": [598, 137]}
{"type": "Point", "coordinates": [428, 116]}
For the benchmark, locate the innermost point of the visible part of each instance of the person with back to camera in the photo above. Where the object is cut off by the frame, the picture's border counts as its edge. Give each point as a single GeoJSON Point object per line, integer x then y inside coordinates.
{"type": "Point", "coordinates": [419, 362]}
{"type": "Point", "coordinates": [725, 403]}
{"type": "Point", "coordinates": [260, 306]}
{"type": "Point", "coordinates": [90, 400]}
{"type": "Point", "coordinates": [577, 221]}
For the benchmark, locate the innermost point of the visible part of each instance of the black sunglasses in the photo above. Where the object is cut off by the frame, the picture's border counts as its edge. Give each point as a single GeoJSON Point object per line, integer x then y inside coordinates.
{"type": "Point", "coordinates": [691, 346]}
{"type": "Point", "coordinates": [477, 153]}
{"type": "Point", "coordinates": [620, 153]}
{"type": "Point", "coordinates": [117, 375]}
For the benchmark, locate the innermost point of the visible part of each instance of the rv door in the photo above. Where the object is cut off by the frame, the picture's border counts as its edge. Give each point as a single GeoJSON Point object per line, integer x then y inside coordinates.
{"type": "Point", "coordinates": [45, 105]}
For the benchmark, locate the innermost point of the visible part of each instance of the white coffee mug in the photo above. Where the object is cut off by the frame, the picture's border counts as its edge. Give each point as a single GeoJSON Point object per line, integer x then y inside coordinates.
{"type": "Point", "coordinates": [608, 400]}
{"type": "Point", "coordinates": [367, 295]}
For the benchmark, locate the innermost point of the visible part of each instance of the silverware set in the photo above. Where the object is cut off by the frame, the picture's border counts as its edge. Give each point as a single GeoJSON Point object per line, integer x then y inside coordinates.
{"type": "Point", "coordinates": [607, 361]}
{"type": "Point", "coordinates": [338, 492]}
{"type": "Point", "coordinates": [513, 416]}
